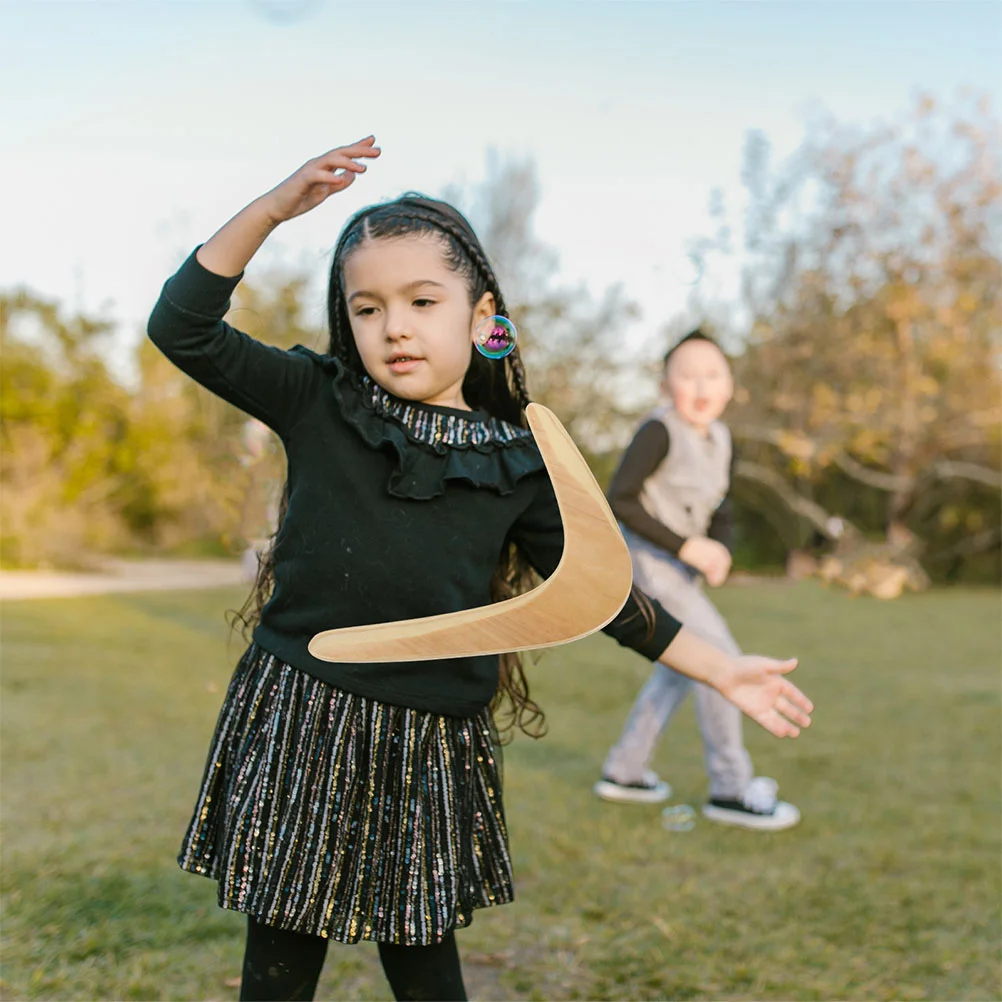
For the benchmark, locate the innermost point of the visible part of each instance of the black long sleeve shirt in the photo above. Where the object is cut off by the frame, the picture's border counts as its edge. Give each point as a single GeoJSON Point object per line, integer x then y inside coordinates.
{"type": "Point", "coordinates": [349, 552]}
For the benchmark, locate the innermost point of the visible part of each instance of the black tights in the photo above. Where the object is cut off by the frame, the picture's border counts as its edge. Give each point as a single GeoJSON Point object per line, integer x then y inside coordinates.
{"type": "Point", "coordinates": [282, 966]}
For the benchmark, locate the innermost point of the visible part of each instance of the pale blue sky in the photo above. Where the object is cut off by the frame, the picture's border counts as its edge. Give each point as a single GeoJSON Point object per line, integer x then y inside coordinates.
{"type": "Point", "coordinates": [132, 129]}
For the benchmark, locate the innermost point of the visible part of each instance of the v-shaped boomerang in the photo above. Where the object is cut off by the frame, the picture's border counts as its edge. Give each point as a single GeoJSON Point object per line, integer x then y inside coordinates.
{"type": "Point", "coordinates": [586, 591]}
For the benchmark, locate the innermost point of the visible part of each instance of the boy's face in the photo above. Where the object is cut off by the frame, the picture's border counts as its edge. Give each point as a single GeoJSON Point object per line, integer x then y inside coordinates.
{"type": "Point", "coordinates": [698, 381]}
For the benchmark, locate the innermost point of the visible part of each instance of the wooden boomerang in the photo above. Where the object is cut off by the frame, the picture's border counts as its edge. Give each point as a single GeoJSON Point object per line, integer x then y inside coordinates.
{"type": "Point", "coordinates": [585, 592]}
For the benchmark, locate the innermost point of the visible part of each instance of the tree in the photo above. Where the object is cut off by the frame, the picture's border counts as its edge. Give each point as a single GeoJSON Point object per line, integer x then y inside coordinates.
{"type": "Point", "coordinates": [871, 280]}
{"type": "Point", "coordinates": [62, 422]}
{"type": "Point", "coordinates": [92, 467]}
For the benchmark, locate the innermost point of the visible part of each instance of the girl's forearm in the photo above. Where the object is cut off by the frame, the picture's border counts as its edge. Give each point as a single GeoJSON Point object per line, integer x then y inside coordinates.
{"type": "Point", "coordinates": [230, 249]}
{"type": "Point", "coordinates": [698, 659]}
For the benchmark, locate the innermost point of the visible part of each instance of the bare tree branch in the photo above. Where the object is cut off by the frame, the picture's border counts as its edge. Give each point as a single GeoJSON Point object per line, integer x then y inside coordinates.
{"type": "Point", "coordinates": [872, 478]}
{"type": "Point", "coordinates": [814, 513]}
{"type": "Point", "coordinates": [947, 469]}
{"type": "Point", "coordinates": [944, 469]}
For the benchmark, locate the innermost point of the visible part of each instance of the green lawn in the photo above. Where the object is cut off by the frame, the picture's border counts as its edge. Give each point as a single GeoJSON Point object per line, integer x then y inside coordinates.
{"type": "Point", "coordinates": [888, 890]}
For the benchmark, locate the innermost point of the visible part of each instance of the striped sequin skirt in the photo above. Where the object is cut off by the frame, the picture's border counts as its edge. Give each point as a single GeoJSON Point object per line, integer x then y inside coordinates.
{"type": "Point", "coordinates": [341, 816]}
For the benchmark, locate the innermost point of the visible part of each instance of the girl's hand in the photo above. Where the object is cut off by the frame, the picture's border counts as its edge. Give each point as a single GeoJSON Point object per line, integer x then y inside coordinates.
{"type": "Point", "coordinates": [317, 180]}
{"type": "Point", "coordinates": [757, 687]}
{"type": "Point", "coordinates": [229, 250]}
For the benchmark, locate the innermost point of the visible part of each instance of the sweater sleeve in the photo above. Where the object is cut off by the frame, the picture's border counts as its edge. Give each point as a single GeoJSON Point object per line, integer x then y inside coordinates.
{"type": "Point", "coordinates": [539, 534]}
{"type": "Point", "coordinates": [722, 523]}
{"type": "Point", "coordinates": [642, 457]}
{"type": "Point", "coordinates": [187, 325]}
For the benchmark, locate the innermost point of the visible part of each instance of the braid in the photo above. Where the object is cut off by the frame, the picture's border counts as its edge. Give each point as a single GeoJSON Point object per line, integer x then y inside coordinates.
{"type": "Point", "coordinates": [513, 365]}
{"type": "Point", "coordinates": [518, 380]}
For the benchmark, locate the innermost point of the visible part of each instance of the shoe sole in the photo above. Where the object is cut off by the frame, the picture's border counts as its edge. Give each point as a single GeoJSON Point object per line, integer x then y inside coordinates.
{"type": "Point", "coordinates": [786, 816]}
{"type": "Point", "coordinates": [626, 795]}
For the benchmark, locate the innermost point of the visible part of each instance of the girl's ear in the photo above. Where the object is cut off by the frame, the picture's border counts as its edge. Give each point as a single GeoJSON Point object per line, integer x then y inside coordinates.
{"type": "Point", "coordinates": [485, 307]}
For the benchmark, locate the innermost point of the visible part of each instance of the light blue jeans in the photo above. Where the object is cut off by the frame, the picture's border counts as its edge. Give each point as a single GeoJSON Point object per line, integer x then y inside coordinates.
{"type": "Point", "coordinates": [679, 589]}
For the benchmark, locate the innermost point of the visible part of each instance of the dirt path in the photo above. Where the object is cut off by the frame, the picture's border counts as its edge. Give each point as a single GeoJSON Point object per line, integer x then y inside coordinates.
{"type": "Point", "coordinates": [121, 575]}
{"type": "Point", "coordinates": [163, 575]}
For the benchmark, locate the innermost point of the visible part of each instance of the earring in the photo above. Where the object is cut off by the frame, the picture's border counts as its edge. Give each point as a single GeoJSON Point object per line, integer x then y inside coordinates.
{"type": "Point", "coordinates": [495, 337]}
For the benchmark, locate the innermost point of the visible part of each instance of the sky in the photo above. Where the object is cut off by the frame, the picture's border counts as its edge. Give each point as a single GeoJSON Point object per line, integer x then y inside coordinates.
{"type": "Point", "coordinates": [131, 130]}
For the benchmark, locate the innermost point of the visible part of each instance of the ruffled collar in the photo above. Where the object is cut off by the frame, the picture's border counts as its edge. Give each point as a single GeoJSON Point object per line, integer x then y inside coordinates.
{"type": "Point", "coordinates": [440, 427]}
{"type": "Point", "coordinates": [433, 444]}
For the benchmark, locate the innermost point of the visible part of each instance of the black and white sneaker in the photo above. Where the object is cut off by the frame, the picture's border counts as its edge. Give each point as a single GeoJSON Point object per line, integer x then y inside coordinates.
{"type": "Point", "coordinates": [759, 808]}
{"type": "Point", "coordinates": [650, 790]}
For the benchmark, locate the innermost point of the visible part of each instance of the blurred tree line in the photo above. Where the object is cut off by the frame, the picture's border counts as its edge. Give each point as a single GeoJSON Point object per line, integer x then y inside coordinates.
{"type": "Point", "coordinates": [866, 343]}
{"type": "Point", "coordinates": [870, 377]}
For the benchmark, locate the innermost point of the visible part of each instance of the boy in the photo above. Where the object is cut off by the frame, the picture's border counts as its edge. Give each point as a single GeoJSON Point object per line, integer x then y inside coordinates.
{"type": "Point", "coordinates": [669, 495]}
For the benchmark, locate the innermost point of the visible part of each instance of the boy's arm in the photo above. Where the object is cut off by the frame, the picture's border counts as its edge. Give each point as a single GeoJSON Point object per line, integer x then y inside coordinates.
{"type": "Point", "coordinates": [722, 524]}
{"type": "Point", "coordinates": [642, 457]}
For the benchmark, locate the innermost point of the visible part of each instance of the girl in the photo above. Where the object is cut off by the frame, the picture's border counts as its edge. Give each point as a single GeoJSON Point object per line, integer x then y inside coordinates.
{"type": "Point", "coordinates": [353, 802]}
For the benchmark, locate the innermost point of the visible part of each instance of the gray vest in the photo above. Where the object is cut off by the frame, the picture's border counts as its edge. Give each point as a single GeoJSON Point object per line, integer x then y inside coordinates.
{"type": "Point", "coordinates": [693, 479]}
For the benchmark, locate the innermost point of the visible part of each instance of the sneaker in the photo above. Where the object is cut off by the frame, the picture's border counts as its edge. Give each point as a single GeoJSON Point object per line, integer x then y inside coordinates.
{"type": "Point", "coordinates": [650, 790]}
{"type": "Point", "coordinates": [758, 808]}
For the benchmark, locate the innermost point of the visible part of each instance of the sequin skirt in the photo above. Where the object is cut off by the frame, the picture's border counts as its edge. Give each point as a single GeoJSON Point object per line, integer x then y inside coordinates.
{"type": "Point", "coordinates": [341, 816]}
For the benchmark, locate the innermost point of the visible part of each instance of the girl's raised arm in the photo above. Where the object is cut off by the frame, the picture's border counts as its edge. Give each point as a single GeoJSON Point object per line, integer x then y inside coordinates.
{"type": "Point", "coordinates": [230, 250]}
{"type": "Point", "coordinates": [187, 322]}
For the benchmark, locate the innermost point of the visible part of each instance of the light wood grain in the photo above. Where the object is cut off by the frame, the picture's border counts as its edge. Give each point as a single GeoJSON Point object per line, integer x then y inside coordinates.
{"type": "Point", "coordinates": [586, 591]}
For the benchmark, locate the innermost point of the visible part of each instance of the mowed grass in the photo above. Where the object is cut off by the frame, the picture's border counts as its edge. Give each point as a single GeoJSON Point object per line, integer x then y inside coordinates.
{"type": "Point", "coordinates": [888, 890]}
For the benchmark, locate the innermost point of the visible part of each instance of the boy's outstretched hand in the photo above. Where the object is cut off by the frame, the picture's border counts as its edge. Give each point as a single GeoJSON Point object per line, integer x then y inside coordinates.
{"type": "Point", "coordinates": [757, 687]}
{"type": "Point", "coordinates": [318, 179]}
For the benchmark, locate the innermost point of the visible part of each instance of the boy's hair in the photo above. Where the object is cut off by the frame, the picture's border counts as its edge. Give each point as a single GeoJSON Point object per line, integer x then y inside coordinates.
{"type": "Point", "coordinates": [693, 335]}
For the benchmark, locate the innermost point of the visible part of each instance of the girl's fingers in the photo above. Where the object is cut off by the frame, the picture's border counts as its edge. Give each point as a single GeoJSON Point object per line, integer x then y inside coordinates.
{"type": "Point", "coordinates": [795, 696]}
{"type": "Point", "coordinates": [363, 148]}
{"type": "Point", "coordinates": [337, 183]}
{"type": "Point", "coordinates": [777, 725]}
{"type": "Point", "coordinates": [792, 712]}
{"type": "Point", "coordinates": [783, 667]}
{"type": "Point", "coordinates": [341, 163]}
{"type": "Point", "coordinates": [369, 141]}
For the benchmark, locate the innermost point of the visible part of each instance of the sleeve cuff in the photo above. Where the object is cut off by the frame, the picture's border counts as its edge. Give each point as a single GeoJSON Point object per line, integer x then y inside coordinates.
{"type": "Point", "coordinates": [674, 545]}
{"type": "Point", "coordinates": [666, 628]}
{"type": "Point", "coordinates": [197, 290]}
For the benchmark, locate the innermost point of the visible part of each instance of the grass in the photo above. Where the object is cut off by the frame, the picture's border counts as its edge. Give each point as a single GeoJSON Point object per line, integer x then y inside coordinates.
{"type": "Point", "coordinates": [889, 889]}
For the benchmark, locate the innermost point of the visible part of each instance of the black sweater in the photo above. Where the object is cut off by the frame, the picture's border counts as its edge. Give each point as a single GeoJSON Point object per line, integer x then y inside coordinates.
{"type": "Point", "coordinates": [381, 526]}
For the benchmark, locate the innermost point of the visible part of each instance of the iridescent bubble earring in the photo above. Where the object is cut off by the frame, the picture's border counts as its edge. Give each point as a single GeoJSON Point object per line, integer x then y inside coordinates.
{"type": "Point", "coordinates": [495, 337]}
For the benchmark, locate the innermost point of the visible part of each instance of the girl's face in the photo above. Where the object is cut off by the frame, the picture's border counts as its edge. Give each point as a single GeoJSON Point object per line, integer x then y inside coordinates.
{"type": "Point", "coordinates": [698, 380]}
{"type": "Point", "coordinates": [411, 318]}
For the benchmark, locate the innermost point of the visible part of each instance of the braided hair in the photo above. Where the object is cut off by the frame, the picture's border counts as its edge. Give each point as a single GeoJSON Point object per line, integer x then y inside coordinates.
{"type": "Point", "coordinates": [498, 387]}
